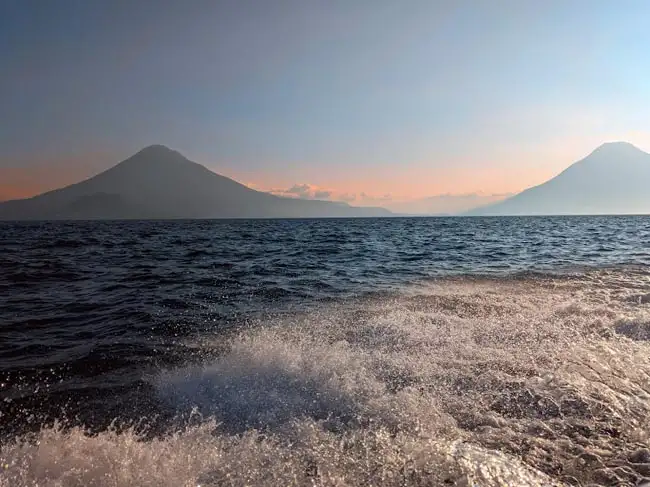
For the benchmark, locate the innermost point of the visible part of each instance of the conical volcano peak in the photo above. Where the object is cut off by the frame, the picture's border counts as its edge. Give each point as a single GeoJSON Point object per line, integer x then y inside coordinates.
{"type": "Point", "coordinates": [155, 156]}
{"type": "Point", "coordinates": [161, 183]}
{"type": "Point", "coordinates": [157, 150]}
{"type": "Point", "coordinates": [616, 148]}
{"type": "Point", "coordinates": [611, 180]}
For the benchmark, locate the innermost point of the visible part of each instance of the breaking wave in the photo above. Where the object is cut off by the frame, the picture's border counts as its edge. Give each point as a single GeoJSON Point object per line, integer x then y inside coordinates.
{"type": "Point", "coordinates": [513, 381]}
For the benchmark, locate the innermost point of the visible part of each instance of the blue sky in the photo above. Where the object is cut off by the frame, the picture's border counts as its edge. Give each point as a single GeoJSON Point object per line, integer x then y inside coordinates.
{"type": "Point", "coordinates": [395, 100]}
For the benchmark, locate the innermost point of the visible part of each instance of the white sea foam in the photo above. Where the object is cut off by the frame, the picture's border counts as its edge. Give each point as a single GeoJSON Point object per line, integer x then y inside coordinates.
{"type": "Point", "coordinates": [461, 382]}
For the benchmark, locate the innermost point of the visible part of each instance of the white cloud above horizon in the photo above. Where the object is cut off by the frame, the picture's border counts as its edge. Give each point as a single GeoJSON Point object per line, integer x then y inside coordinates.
{"type": "Point", "coordinates": [436, 204]}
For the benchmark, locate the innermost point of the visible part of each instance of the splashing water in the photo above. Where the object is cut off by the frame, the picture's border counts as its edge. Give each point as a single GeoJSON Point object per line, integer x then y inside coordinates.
{"type": "Point", "coordinates": [512, 381]}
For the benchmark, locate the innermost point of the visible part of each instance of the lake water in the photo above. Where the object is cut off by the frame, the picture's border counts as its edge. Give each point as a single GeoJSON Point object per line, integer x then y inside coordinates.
{"type": "Point", "coordinates": [326, 352]}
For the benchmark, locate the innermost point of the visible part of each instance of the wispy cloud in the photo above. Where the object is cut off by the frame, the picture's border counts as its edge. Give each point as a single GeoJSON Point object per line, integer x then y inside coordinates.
{"type": "Point", "coordinates": [304, 191]}
{"type": "Point", "coordinates": [436, 204]}
{"type": "Point", "coordinates": [307, 191]}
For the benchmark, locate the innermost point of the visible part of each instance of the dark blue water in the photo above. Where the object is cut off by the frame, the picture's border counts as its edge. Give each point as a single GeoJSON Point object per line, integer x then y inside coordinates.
{"type": "Point", "coordinates": [89, 308]}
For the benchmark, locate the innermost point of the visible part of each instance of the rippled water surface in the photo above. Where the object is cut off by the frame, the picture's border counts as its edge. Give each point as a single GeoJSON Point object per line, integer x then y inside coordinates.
{"type": "Point", "coordinates": [326, 352]}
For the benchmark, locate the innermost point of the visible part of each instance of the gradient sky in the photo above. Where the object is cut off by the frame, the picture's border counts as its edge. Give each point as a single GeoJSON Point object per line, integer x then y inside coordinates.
{"type": "Point", "coordinates": [366, 100]}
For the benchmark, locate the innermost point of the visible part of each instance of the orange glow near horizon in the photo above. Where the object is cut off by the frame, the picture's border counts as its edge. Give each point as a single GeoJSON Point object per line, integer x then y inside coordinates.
{"type": "Point", "coordinates": [510, 170]}
{"type": "Point", "coordinates": [410, 184]}
{"type": "Point", "coordinates": [37, 177]}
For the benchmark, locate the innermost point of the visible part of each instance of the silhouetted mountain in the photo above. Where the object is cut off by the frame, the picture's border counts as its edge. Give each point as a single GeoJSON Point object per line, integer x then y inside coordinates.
{"type": "Point", "coordinates": [444, 204]}
{"type": "Point", "coordinates": [613, 179]}
{"type": "Point", "coordinates": [160, 183]}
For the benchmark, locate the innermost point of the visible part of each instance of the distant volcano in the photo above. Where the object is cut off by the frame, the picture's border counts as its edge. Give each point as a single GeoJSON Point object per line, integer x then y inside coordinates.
{"type": "Point", "coordinates": [159, 183]}
{"type": "Point", "coordinates": [613, 179]}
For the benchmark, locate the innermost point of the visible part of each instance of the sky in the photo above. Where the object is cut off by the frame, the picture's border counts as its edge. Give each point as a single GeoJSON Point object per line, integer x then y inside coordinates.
{"type": "Point", "coordinates": [366, 101]}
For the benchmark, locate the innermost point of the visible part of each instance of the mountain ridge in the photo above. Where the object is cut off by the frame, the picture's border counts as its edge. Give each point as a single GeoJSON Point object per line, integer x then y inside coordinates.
{"type": "Point", "coordinates": [612, 179]}
{"type": "Point", "coordinates": [160, 183]}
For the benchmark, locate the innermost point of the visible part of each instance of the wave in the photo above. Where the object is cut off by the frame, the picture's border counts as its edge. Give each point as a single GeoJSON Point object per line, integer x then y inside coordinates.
{"type": "Point", "coordinates": [520, 381]}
